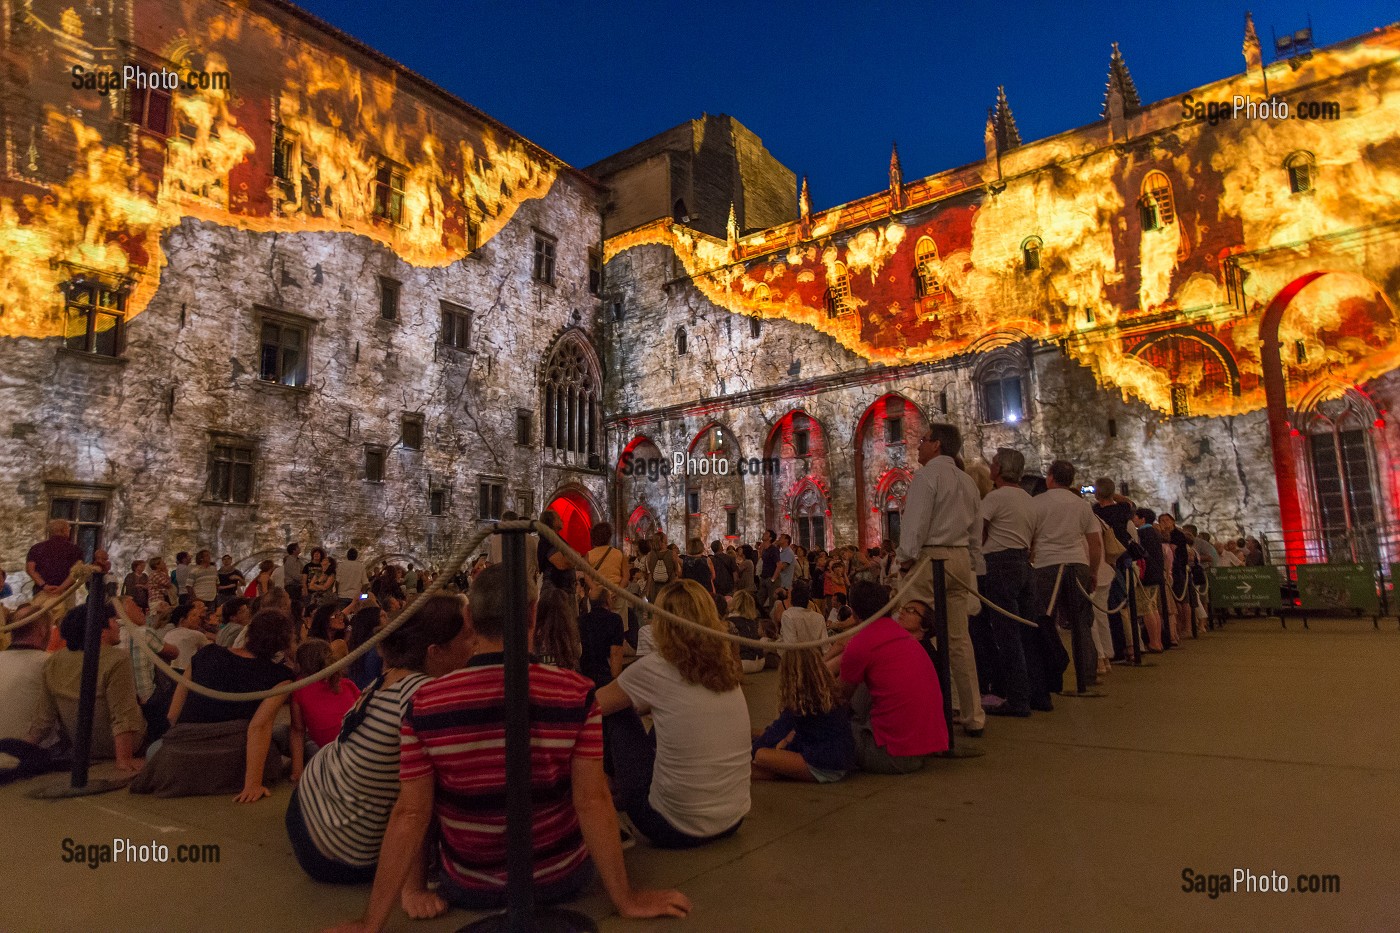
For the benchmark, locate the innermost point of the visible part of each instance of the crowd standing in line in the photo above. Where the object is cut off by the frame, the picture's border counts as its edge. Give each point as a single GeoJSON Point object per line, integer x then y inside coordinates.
{"type": "Point", "coordinates": [376, 752]}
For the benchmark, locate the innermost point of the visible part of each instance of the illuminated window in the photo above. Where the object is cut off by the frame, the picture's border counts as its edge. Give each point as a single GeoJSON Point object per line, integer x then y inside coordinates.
{"type": "Point", "coordinates": [148, 107]}
{"type": "Point", "coordinates": [1181, 402]}
{"type": "Point", "coordinates": [543, 268]}
{"type": "Point", "coordinates": [231, 470]}
{"type": "Point", "coordinates": [680, 341]}
{"type": "Point", "coordinates": [388, 194]}
{"type": "Point", "coordinates": [926, 268]}
{"type": "Point", "coordinates": [284, 161]}
{"type": "Point", "coordinates": [473, 234]}
{"type": "Point", "coordinates": [411, 431]}
{"type": "Point", "coordinates": [838, 295]}
{"type": "Point", "coordinates": [388, 298]}
{"type": "Point", "coordinates": [1300, 167]}
{"type": "Point", "coordinates": [284, 351]}
{"type": "Point", "coordinates": [491, 495]}
{"type": "Point", "coordinates": [595, 272]}
{"type": "Point", "coordinates": [456, 326]}
{"type": "Point", "coordinates": [95, 318]}
{"type": "Point", "coordinates": [374, 464]}
{"type": "Point", "coordinates": [1003, 393]}
{"type": "Point", "coordinates": [1156, 207]}
{"type": "Point", "coordinates": [762, 295]}
{"type": "Point", "coordinates": [1030, 253]}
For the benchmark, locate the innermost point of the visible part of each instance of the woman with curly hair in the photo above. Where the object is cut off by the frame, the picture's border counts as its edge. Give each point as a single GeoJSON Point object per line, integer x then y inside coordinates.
{"type": "Point", "coordinates": [687, 783]}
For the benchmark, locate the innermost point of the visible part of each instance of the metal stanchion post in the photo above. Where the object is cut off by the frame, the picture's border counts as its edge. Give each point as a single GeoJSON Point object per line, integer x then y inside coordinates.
{"type": "Point", "coordinates": [1133, 615]}
{"type": "Point", "coordinates": [79, 784]}
{"type": "Point", "coordinates": [521, 915]}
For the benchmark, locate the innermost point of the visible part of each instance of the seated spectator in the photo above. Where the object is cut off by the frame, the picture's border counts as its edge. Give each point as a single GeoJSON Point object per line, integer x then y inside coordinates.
{"type": "Point", "coordinates": [234, 615]}
{"type": "Point", "coordinates": [186, 636]}
{"type": "Point", "coordinates": [686, 783]}
{"type": "Point", "coordinates": [601, 640]}
{"type": "Point", "coordinates": [743, 620]}
{"type": "Point", "coordinates": [218, 746]}
{"type": "Point", "coordinates": [340, 807]}
{"type": "Point", "coordinates": [134, 585]}
{"type": "Point", "coordinates": [896, 702]}
{"type": "Point", "coordinates": [153, 688]}
{"type": "Point", "coordinates": [21, 686]}
{"type": "Point", "coordinates": [811, 739]}
{"type": "Point", "coordinates": [363, 624]}
{"type": "Point", "coordinates": [556, 629]}
{"type": "Point", "coordinates": [118, 725]}
{"type": "Point", "coordinates": [840, 617]}
{"type": "Point", "coordinates": [573, 823]}
{"type": "Point", "coordinates": [800, 623]}
{"type": "Point", "coordinates": [646, 640]}
{"type": "Point", "coordinates": [317, 709]}
{"type": "Point", "coordinates": [773, 626]}
{"type": "Point", "coordinates": [329, 624]}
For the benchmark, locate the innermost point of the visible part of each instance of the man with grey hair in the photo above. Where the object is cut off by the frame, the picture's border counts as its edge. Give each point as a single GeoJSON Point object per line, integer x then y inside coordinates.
{"type": "Point", "coordinates": [1006, 544]}
{"type": "Point", "coordinates": [1068, 546]}
{"type": "Point", "coordinates": [50, 563]}
{"type": "Point", "coordinates": [941, 520]}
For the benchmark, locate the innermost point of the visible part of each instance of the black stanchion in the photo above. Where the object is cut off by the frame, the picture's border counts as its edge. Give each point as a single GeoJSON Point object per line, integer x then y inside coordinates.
{"type": "Point", "coordinates": [1133, 622]}
{"type": "Point", "coordinates": [79, 784]}
{"type": "Point", "coordinates": [1191, 606]}
{"type": "Point", "coordinates": [521, 915]}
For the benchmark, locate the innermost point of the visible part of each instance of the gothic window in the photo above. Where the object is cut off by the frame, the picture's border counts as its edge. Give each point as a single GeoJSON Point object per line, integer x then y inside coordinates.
{"type": "Point", "coordinates": [1300, 167]}
{"type": "Point", "coordinates": [680, 341]}
{"type": "Point", "coordinates": [1030, 253]}
{"type": "Point", "coordinates": [809, 515]}
{"type": "Point", "coordinates": [894, 508]}
{"type": "Point", "coordinates": [571, 399]}
{"type": "Point", "coordinates": [926, 268]}
{"type": "Point", "coordinates": [1156, 206]}
{"type": "Point", "coordinates": [1003, 392]}
{"type": "Point", "coordinates": [95, 318]}
{"type": "Point", "coordinates": [1343, 469]}
{"type": "Point", "coordinates": [388, 193]}
{"type": "Point", "coordinates": [762, 295]}
{"type": "Point", "coordinates": [838, 294]}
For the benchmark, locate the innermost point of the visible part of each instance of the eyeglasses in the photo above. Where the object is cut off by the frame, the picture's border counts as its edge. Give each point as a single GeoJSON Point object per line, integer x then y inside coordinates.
{"type": "Point", "coordinates": [915, 610]}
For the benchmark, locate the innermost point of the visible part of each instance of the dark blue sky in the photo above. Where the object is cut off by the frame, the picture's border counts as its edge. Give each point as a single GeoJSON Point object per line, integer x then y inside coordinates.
{"type": "Point", "coordinates": [827, 86]}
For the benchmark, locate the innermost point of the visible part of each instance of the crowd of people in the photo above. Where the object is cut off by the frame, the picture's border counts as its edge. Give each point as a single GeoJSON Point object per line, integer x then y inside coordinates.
{"type": "Point", "coordinates": [640, 727]}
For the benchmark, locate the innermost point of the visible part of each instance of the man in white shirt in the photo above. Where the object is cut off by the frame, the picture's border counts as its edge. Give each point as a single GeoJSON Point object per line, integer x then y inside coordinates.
{"type": "Point", "coordinates": [941, 519]}
{"type": "Point", "coordinates": [1067, 546]}
{"type": "Point", "coordinates": [1006, 542]}
{"type": "Point", "coordinates": [21, 687]}
{"type": "Point", "coordinates": [350, 578]}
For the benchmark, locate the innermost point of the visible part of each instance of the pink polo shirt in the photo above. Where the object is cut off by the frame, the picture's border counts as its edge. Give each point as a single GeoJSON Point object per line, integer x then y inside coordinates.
{"type": "Point", "coordinates": [906, 704]}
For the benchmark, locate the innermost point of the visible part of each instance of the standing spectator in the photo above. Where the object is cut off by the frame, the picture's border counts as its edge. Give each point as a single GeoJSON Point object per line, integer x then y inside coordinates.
{"type": "Point", "coordinates": [787, 562]}
{"type": "Point", "coordinates": [941, 520]}
{"type": "Point", "coordinates": [135, 585]}
{"type": "Point", "coordinates": [744, 570]}
{"type": "Point", "coordinates": [1006, 515]}
{"type": "Point", "coordinates": [1068, 548]}
{"type": "Point", "coordinates": [1150, 597]}
{"type": "Point", "coordinates": [556, 629]}
{"type": "Point", "coordinates": [1116, 511]}
{"type": "Point", "coordinates": [609, 561]}
{"type": "Point", "coordinates": [557, 570]}
{"type": "Point", "coordinates": [724, 567]}
{"type": "Point", "coordinates": [661, 567]}
{"type": "Point", "coordinates": [768, 567]}
{"type": "Point", "coordinates": [230, 580]}
{"type": "Point", "coordinates": [161, 589]}
{"type": "Point", "coordinates": [291, 573]}
{"type": "Point", "coordinates": [204, 579]}
{"type": "Point", "coordinates": [181, 577]}
{"type": "Point", "coordinates": [187, 635]}
{"type": "Point", "coordinates": [50, 563]}
{"type": "Point", "coordinates": [1179, 577]}
{"type": "Point", "coordinates": [320, 581]}
{"type": "Point", "coordinates": [350, 579]}
{"type": "Point", "coordinates": [262, 581]}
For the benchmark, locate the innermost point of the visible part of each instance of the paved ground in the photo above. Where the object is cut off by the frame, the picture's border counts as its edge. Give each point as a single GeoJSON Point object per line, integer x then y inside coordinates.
{"type": "Point", "coordinates": [1252, 748]}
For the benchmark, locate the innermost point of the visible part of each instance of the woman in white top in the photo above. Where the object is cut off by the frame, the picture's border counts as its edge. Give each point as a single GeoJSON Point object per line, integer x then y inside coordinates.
{"type": "Point", "coordinates": [687, 783]}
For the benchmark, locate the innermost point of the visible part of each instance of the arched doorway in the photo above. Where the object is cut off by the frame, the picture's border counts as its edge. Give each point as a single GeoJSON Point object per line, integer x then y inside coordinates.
{"type": "Point", "coordinates": [797, 447]}
{"type": "Point", "coordinates": [574, 509]}
{"type": "Point", "coordinates": [886, 439]}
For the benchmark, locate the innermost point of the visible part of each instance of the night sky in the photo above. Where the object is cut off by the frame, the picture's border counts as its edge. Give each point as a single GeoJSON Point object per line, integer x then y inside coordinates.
{"type": "Point", "coordinates": [827, 86]}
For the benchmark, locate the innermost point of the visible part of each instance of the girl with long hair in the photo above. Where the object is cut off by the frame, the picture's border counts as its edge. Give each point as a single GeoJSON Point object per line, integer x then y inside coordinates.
{"type": "Point", "coordinates": [811, 739]}
{"type": "Point", "coordinates": [556, 629]}
{"type": "Point", "coordinates": [687, 783]}
{"type": "Point", "coordinates": [743, 620]}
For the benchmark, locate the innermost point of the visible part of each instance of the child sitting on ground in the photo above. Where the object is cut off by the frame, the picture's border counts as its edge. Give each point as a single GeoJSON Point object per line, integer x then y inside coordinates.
{"type": "Point", "coordinates": [811, 739]}
{"type": "Point", "coordinates": [317, 709]}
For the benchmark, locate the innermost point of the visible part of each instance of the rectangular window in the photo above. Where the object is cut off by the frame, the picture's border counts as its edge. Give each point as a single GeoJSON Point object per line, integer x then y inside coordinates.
{"type": "Point", "coordinates": [149, 107]}
{"type": "Point", "coordinates": [1003, 400]}
{"type": "Point", "coordinates": [456, 326]}
{"type": "Point", "coordinates": [311, 190]}
{"type": "Point", "coordinates": [524, 428]}
{"type": "Point", "coordinates": [437, 501]}
{"type": "Point", "coordinates": [801, 442]}
{"type": "Point", "coordinates": [692, 500]}
{"type": "Point", "coordinates": [543, 270]}
{"type": "Point", "coordinates": [894, 420]}
{"type": "Point", "coordinates": [411, 431]}
{"type": "Point", "coordinates": [473, 234]}
{"type": "Point", "coordinates": [595, 272]}
{"type": "Point", "coordinates": [525, 502]}
{"type": "Point", "coordinates": [731, 523]}
{"type": "Point", "coordinates": [86, 512]}
{"type": "Point", "coordinates": [284, 164]}
{"type": "Point", "coordinates": [388, 298]}
{"type": "Point", "coordinates": [491, 496]}
{"type": "Point", "coordinates": [95, 318]}
{"type": "Point", "coordinates": [374, 464]}
{"type": "Point", "coordinates": [283, 355]}
{"type": "Point", "coordinates": [231, 471]}
{"type": "Point", "coordinates": [388, 194]}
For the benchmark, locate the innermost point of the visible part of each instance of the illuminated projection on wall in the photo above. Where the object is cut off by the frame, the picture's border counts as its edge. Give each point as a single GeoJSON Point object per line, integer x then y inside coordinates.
{"type": "Point", "coordinates": [299, 140]}
{"type": "Point", "coordinates": [1151, 261]}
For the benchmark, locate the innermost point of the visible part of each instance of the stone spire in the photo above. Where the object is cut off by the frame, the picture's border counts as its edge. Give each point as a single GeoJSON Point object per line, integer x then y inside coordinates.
{"type": "Point", "coordinates": [1120, 81]}
{"type": "Point", "coordinates": [1253, 57]}
{"type": "Point", "coordinates": [804, 202]}
{"type": "Point", "coordinates": [1004, 124]}
{"type": "Point", "coordinates": [989, 134]}
{"type": "Point", "coordinates": [896, 179]}
{"type": "Point", "coordinates": [732, 233]}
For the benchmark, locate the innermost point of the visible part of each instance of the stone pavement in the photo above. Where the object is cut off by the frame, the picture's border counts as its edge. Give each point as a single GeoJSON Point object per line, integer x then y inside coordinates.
{"type": "Point", "coordinates": [1252, 748]}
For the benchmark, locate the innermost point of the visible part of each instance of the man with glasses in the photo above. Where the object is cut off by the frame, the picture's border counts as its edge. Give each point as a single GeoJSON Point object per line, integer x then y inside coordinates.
{"type": "Point", "coordinates": [941, 520]}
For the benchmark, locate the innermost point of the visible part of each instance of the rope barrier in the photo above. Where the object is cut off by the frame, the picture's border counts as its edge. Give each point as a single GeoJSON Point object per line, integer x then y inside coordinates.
{"type": "Point", "coordinates": [991, 605]}
{"type": "Point", "coordinates": [50, 603]}
{"type": "Point", "coordinates": [1090, 597]}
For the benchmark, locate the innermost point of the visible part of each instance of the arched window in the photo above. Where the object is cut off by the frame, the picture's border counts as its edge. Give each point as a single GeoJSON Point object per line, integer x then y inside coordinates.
{"type": "Point", "coordinates": [1343, 470]}
{"type": "Point", "coordinates": [809, 515]}
{"type": "Point", "coordinates": [679, 212]}
{"type": "Point", "coordinates": [762, 295]}
{"type": "Point", "coordinates": [1301, 166]}
{"type": "Point", "coordinates": [1030, 253]}
{"type": "Point", "coordinates": [838, 295]}
{"type": "Point", "coordinates": [893, 508]}
{"type": "Point", "coordinates": [680, 341]}
{"type": "Point", "coordinates": [571, 389]}
{"type": "Point", "coordinates": [755, 327]}
{"type": "Point", "coordinates": [1156, 206]}
{"type": "Point", "coordinates": [926, 268]}
{"type": "Point", "coordinates": [1003, 391]}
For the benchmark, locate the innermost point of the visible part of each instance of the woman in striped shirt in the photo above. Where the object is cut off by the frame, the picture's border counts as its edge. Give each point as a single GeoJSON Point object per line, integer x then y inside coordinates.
{"type": "Point", "coordinates": [339, 810]}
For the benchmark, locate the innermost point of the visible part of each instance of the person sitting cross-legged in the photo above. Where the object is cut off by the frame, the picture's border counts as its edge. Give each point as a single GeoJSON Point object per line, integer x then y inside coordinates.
{"type": "Point", "coordinates": [452, 766]}
{"type": "Point", "coordinates": [811, 739]}
{"type": "Point", "coordinates": [21, 687]}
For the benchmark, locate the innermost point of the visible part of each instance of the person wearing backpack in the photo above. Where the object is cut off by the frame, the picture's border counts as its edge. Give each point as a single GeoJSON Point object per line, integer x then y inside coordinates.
{"type": "Point", "coordinates": [661, 566]}
{"type": "Point", "coordinates": [609, 561]}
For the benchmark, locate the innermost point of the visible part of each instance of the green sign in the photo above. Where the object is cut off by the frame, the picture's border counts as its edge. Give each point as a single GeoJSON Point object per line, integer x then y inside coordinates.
{"type": "Point", "coordinates": [1330, 587]}
{"type": "Point", "coordinates": [1245, 588]}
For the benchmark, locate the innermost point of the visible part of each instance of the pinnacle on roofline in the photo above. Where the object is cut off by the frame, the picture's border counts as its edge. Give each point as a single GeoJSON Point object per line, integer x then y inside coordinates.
{"type": "Point", "coordinates": [1121, 80]}
{"type": "Point", "coordinates": [1004, 124]}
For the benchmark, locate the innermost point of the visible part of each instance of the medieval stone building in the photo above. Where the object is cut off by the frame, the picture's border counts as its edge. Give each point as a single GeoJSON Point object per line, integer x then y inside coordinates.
{"type": "Point", "coordinates": [305, 294]}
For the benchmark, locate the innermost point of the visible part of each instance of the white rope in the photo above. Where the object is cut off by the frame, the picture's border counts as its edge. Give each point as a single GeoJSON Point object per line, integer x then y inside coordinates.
{"type": "Point", "coordinates": [1089, 596]}
{"type": "Point", "coordinates": [1055, 593]}
{"type": "Point", "coordinates": [994, 607]}
{"type": "Point", "coordinates": [50, 603]}
{"type": "Point", "coordinates": [455, 562]}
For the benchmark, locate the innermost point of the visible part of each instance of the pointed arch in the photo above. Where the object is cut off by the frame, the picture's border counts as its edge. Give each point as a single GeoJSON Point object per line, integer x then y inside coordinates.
{"type": "Point", "coordinates": [926, 268]}
{"type": "Point", "coordinates": [1156, 204]}
{"type": "Point", "coordinates": [571, 390]}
